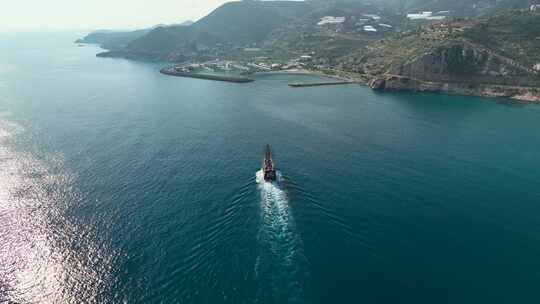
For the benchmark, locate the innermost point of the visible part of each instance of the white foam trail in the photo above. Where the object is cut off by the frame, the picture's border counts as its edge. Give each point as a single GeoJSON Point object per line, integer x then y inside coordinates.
{"type": "Point", "coordinates": [281, 262]}
{"type": "Point", "coordinates": [277, 220]}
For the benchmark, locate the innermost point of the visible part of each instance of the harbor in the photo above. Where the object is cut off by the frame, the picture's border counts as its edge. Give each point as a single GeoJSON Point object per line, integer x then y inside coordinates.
{"type": "Point", "coordinates": [242, 72]}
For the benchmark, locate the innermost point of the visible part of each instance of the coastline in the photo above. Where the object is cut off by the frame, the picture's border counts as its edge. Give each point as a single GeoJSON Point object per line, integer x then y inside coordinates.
{"type": "Point", "coordinates": [387, 83]}
{"type": "Point", "coordinates": [306, 72]}
{"type": "Point", "coordinates": [394, 83]}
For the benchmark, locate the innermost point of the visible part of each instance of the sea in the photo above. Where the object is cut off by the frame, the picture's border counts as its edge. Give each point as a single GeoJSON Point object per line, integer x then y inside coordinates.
{"type": "Point", "coordinates": [122, 185]}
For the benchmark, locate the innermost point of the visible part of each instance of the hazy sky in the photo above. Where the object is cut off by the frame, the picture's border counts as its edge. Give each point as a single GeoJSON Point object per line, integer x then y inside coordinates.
{"type": "Point", "coordinates": [52, 15]}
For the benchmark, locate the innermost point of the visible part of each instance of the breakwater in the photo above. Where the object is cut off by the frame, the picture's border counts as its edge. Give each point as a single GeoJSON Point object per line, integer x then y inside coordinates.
{"type": "Point", "coordinates": [316, 84]}
{"type": "Point", "coordinates": [227, 78]}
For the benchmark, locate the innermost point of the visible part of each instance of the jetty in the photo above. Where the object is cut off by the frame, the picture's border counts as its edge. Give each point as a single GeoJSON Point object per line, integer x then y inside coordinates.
{"type": "Point", "coordinates": [316, 84]}
{"type": "Point", "coordinates": [171, 71]}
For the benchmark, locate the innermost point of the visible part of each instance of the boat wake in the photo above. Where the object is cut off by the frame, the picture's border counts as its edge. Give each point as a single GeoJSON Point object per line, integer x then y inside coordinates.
{"type": "Point", "coordinates": [281, 265]}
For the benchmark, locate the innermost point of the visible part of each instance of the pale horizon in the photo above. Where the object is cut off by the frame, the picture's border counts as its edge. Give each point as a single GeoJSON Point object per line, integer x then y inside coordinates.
{"type": "Point", "coordinates": [66, 15]}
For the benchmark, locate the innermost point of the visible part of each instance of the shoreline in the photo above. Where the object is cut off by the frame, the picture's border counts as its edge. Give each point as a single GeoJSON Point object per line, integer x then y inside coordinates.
{"type": "Point", "coordinates": [516, 93]}
{"type": "Point", "coordinates": [394, 83]}
{"type": "Point", "coordinates": [318, 84]}
{"type": "Point", "coordinates": [307, 73]}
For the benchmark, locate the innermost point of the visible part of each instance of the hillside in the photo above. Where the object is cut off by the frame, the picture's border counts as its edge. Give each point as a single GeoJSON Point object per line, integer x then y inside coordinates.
{"type": "Point", "coordinates": [116, 40]}
{"type": "Point", "coordinates": [287, 28]}
{"type": "Point", "coordinates": [112, 40]}
{"type": "Point", "coordinates": [327, 38]}
{"type": "Point", "coordinates": [499, 50]}
{"type": "Point", "coordinates": [249, 22]}
{"type": "Point", "coordinates": [515, 35]}
{"type": "Point", "coordinates": [279, 28]}
{"type": "Point", "coordinates": [234, 24]}
{"type": "Point", "coordinates": [457, 8]}
{"type": "Point", "coordinates": [325, 29]}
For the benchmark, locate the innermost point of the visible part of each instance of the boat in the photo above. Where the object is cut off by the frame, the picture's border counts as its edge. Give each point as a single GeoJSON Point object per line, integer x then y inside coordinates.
{"type": "Point", "coordinates": [268, 166]}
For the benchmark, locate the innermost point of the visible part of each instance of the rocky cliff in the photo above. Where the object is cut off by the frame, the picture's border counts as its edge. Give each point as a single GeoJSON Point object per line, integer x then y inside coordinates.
{"type": "Point", "coordinates": [397, 83]}
{"type": "Point", "coordinates": [446, 57]}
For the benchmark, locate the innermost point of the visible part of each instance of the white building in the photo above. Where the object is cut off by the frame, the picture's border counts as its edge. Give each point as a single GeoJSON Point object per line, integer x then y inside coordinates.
{"type": "Point", "coordinates": [425, 16]}
{"type": "Point", "coordinates": [372, 16]}
{"type": "Point", "coordinates": [369, 28]}
{"type": "Point", "coordinates": [535, 7]}
{"type": "Point", "coordinates": [362, 21]}
{"type": "Point", "coordinates": [331, 20]}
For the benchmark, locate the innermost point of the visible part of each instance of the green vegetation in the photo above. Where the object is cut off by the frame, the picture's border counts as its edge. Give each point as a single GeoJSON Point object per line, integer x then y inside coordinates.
{"type": "Point", "coordinates": [384, 55]}
{"type": "Point", "coordinates": [505, 44]}
{"type": "Point", "coordinates": [235, 24]}
{"type": "Point", "coordinates": [461, 61]}
{"type": "Point", "coordinates": [249, 22]}
{"type": "Point", "coordinates": [515, 34]}
{"type": "Point", "coordinates": [112, 40]}
{"type": "Point", "coordinates": [283, 30]}
{"type": "Point", "coordinates": [175, 38]}
{"type": "Point", "coordinates": [478, 47]}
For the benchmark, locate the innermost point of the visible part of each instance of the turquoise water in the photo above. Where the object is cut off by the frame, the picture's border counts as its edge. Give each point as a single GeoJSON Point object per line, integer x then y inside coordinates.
{"type": "Point", "coordinates": [122, 185]}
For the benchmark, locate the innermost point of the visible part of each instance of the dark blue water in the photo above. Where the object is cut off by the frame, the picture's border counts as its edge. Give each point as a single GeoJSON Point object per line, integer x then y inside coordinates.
{"type": "Point", "coordinates": [122, 185]}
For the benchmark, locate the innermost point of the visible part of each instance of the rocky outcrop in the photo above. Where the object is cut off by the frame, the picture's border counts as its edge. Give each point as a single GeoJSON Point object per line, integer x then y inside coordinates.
{"type": "Point", "coordinates": [467, 62]}
{"type": "Point", "coordinates": [377, 84]}
{"type": "Point", "coordinates": [400, 83]}
{"type": "Point", "coordinates": [462, 68]}
{"type": "Point", "coordinates": [495, 57]}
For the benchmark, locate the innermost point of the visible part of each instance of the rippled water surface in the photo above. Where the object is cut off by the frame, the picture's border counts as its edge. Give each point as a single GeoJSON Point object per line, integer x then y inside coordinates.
{"type": "Point", "coordinates": [122, 185]}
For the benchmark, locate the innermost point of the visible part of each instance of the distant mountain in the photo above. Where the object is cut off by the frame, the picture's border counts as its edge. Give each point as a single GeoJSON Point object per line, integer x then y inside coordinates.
{"type": "Point", "coordinates": [284, 26]}
{"type": "Point", "coordinates": [186, 23]}
{"type": "Point", "coordinates": [112, 40]}
{"type": "Point", "coordinates": [115, 40]}
{"type": "Point", "coordinates": [237, 23]}
{"type": "Point", "coordinates": [327, 28]}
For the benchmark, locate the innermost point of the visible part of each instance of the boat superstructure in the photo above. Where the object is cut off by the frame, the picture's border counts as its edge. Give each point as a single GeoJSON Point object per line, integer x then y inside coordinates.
{"type": "Point", "coordinates": [268, 166]}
